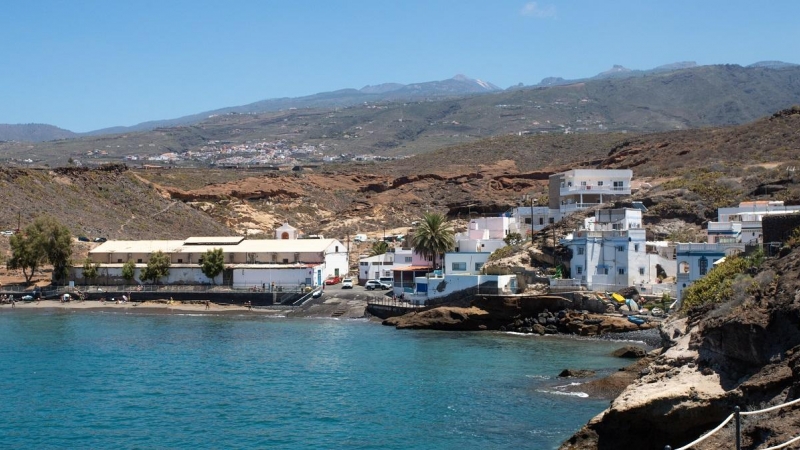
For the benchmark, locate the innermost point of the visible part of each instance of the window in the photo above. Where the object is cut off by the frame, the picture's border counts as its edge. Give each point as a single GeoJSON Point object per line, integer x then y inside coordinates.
{"type": "Point", "coordinates": [408, 259]}
{"type": "Point", "coordinates": [119, 260]}
{"type": "Point", "coordinates": [527, 220]}
{"type": "Point", "coordinates": [459, 266]}
{"type": "Point", "coordinates": [541, 220]}
{"type": "Point", "coordinates": [635, 247]}
{"type": "Point", "coordinates": [139, 261]}
{"type": "Point", "coordinates": [286, 260]}
{"type": "Point", "coordinates": [621, 271]}
{"type": "Point", "coordinates": [599, 183]}
{"type": "Point", "coordinates": [703, 265]}
{"type": "Point", "coordinates": [620, 248]}
{"type": "Point", "coordinates": [641, 270]}
{"type": "Point", "coordinates": [578, 270]}
{"type": "Point", "coordinates": [336, 249]}
{"type": "Point", "coordinates": [180, 260]}
{"type": "Point", "coordinates": [478, 266]}
{"type": "Point", "coordinates": [602, 270]}
{"type": "Point", "coordinates": [552, 220]}
{"type": "Point", "coordinates": [618, 185]}
{"type": "Point", "coordinates": [363, 263]}
{"type": "Point", "coordinates": [581, 250]}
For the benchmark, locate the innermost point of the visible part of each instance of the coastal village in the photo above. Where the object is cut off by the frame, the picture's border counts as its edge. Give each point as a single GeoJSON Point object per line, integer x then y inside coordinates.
{"type": "Point", "coordinates": [606, 264]}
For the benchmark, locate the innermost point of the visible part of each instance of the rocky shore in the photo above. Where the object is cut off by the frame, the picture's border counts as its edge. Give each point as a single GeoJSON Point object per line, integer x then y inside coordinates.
{"type": "Point", "coordinates": [581, 323]}
{"type": "Point", "coordinates": [744, 351]}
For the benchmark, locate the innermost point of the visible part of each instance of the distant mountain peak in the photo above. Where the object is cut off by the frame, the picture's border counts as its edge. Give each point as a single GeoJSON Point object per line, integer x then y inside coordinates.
{"type": "Point", "coordinates": [483, 84]}
{"type": "Point", "coordinates": [772, 64]}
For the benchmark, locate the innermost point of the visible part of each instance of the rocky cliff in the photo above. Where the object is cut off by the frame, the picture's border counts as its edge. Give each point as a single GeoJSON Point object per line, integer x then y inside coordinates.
{"type": "Point", "coordinates": [742, 352]}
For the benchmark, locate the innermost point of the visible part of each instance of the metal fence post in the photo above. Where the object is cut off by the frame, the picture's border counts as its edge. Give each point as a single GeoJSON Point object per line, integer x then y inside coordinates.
{"type": "Point", "coordinates": [736, 411]}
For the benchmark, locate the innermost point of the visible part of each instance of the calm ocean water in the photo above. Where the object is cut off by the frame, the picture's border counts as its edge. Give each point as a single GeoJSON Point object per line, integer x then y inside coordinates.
{"type": "Point", "coordinates": [112, 380]}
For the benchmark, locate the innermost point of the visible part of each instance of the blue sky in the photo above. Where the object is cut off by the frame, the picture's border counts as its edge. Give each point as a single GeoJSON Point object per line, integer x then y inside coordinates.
{"type": "Point", "coordinates": [85, 65]}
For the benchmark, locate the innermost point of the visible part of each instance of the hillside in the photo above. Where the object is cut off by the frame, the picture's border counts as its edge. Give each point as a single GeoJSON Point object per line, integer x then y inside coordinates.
{"type": "Point", "coordinates": [683, 99]}
{"type": "Point", "coordinates": [680, 175]}
{"type": "Point", "coordinates": [33, 132]}
{"type": "Point", "coordinates": [110, 202]}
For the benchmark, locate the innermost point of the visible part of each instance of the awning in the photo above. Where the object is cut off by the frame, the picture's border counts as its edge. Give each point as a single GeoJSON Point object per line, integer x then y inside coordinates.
{"type": "Point", "coordinates": [412, 269]}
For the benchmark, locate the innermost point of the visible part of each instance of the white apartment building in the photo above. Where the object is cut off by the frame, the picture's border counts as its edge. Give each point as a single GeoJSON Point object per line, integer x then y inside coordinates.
{"type": "Point", "coordinates": [578, 189]}
{"type": "Point", "coordinates": [572, 191]}
{"type": "Point", "coordinates": [611, 252]}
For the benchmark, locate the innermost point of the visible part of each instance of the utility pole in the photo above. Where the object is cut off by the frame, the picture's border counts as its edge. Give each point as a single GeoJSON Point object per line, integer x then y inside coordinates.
{"type": "Point", "coordinates": [532, 220]}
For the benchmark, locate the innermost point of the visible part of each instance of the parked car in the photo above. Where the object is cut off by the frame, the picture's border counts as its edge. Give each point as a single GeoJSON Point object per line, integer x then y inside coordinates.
{"type": "Point", "coordinates": [333, 280]}
{"type": "Point", "coordinates": [83, 239]}
{"type": "Point", "coordinates": [7, 233]}
{"type": "Point", "coordinates": [100, 239]}
{"type": "Point", "coordinates": [347, 283]}
{"type": "Point", "coordinates": [376, 284]}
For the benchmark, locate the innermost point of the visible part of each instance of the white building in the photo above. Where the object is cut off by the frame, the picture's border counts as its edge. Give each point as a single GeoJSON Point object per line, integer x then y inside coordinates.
{"type": "Point", "coordinates": [375, 267]}
{"type": "Point", "coordinates": [434, 285]}
{"type": "Point", "coordinates": [248, 263]}
{"type": "Point", "coordinates": [572, 191]}
{"type": "Point", "coordinates": [578, 189]}
{"type": "Point", "coordinates": [485, 234]}
{"type": "Point", "coordinates": [743, 223]}
{"type": "Point", "coordinates": [611, 252]}
{"type": "Point", "coordinates": [465, 263]}
{"type": "Point", "coordinates": [695, 260]}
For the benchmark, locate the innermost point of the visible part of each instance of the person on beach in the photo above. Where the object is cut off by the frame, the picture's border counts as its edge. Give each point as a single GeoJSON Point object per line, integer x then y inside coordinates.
{"type": "Point", "coordinates": [13, 303]}
{"type": "Point", "coordinates": [208, 304]}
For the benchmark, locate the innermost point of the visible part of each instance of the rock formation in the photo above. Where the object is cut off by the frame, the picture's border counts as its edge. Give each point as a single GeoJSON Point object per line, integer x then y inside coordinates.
{"type": "Point", "coordinates": [744, 352]}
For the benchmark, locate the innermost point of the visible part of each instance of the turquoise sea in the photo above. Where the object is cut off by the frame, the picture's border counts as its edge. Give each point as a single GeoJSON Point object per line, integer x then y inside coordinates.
{"type": "Point", "coordinates": [91, 379]}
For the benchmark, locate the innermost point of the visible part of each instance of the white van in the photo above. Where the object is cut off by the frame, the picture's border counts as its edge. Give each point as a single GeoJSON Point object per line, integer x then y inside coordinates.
{"type": "Point", "coordinates": [360, 238]}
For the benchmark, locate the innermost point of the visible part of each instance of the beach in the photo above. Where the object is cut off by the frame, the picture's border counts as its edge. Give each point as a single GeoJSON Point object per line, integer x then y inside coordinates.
{"type": "Point", "coordinates": [164, 306]}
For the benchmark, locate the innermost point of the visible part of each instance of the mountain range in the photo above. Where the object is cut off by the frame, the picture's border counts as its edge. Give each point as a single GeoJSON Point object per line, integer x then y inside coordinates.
{"type": "Point", "coordinates": [459, 85]}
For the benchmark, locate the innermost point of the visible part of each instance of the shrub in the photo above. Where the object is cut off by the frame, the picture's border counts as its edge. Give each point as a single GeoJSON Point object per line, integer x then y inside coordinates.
{"type": "Point", "coordinates": [722, 282]}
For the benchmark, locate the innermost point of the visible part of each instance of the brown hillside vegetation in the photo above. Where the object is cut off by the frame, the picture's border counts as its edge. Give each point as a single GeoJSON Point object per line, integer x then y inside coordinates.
{"type": "Point", "coordinates": [768, 140]}
{"type": "Point", "coordinates": [109, 202]}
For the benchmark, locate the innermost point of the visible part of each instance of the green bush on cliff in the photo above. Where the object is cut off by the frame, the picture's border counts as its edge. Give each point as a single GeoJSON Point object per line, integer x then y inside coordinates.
{"type": "Point", "coordinates": [717, 285]}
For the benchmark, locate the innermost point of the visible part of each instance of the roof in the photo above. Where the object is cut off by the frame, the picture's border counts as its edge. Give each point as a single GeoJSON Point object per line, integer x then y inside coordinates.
{"type": "Point", "coordinates": [244, 245]}
{"type": "Point", "coordinates": [214, 240]}
{"type": "Point", "coordinates": [412, 268]}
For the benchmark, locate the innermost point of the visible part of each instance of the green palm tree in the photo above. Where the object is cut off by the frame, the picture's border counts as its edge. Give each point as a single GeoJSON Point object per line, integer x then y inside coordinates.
{"type": "Point", "coordinates": [433, 236]}
{"type": "Point", "coordinates": [379, 248]}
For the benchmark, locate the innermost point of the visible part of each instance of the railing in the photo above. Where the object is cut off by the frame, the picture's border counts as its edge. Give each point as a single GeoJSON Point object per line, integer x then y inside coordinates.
{"type": "Point", "coordinates": [737, 416]}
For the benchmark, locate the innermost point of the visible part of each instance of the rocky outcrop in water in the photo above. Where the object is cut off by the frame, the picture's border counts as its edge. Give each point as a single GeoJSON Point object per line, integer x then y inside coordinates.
{"type": "Point", "coordinates": [507, 315]}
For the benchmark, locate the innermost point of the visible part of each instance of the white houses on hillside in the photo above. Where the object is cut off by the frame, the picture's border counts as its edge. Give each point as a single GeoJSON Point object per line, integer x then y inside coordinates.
{"type": "Point", "coordinates": [743, 223]}
{"type": "Point", "coordinates": [248, 263]}
{"type": "Point", "coordinates": [485, 234]}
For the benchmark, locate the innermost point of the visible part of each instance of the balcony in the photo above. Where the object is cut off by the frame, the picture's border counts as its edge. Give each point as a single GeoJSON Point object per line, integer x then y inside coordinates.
{"type": "Point", "coordinates": [594, 189]}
